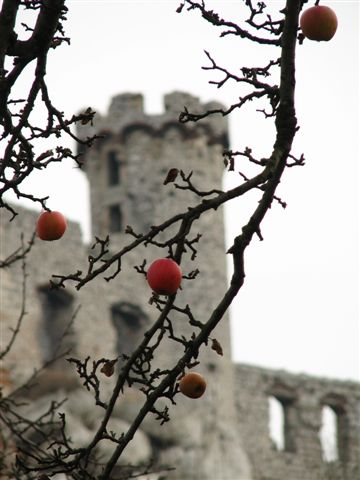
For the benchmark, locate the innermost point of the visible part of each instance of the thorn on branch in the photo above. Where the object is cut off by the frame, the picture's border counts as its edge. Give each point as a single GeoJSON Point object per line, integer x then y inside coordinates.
{"type": "Point", "coordinates": [141, 268]}
{"type": "Point", "coordinates": [117, 271]}
{"type": "Point", "coordinates": [258, 233]}
{"type": "Point", "coordinates": [301, 38]}
{"type": "Point", "coordinates": [192, 275]}
{"type": "Point", "coordinates": [298, 162]}
{"type": "Point", "coordinates": [190, 186]}
{"type": "Point", "coordinates": [76, 277]}
{"type": "Point", "coordinates": [247, 153]}
{"type": "Point", "coordinates": [280, 202]}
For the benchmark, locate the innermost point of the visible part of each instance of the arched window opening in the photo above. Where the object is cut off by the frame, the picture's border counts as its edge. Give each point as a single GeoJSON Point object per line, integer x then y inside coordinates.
{"type": "Point", "coordinates": [329, 434]}
{"type": "Point", "coordinates": [56, 333]}
{"type": "Point", "coordinates": [281, 412]}
{"type": "Point", "coordinates": [115, 219]}
{"type": "Point", "coordinates": [113, 168]}
{"type": "Point", "coordinates": [128, 320]}
{"type": "Point", "coordinates": [277, 423]}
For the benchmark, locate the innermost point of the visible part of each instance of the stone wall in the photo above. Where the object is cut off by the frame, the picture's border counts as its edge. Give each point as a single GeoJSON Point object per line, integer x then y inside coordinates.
{"type": "Point", "coordinates": [92, 329]}
{"type": "Point", "coordinates": [302, 398]}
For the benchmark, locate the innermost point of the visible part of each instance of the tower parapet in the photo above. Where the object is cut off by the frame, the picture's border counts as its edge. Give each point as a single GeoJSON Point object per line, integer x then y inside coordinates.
{"type": "Point", "coordinates": [126, 103]}
{"type": "Point", "coordinates": [127, 109]}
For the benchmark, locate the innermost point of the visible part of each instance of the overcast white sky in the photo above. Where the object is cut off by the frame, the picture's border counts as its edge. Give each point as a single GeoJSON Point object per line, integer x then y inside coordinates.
{"type": "Point", "coordinates": [299, 308]}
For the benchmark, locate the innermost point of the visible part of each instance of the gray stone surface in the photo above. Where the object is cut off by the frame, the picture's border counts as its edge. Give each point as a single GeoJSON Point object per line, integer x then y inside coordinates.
{"type": "Point", "coordinates": [303, 397]}
{"type": "Point", "coordinates": [138, 451]}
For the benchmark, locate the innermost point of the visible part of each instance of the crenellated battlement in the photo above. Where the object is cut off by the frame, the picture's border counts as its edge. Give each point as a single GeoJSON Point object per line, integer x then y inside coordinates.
{"type": "Point", "coordinates": [126, 112]}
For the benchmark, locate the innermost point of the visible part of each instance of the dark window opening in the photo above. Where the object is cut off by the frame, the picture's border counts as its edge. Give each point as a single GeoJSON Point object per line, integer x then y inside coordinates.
{"type": "Point", "coordinates": [115, 218]}
{"type": "Point", "coordinates": [128, 320]}
{"type": "Point", "coordinates": [56, 335]}
{"type": "Point", "coordinates": [281, 421]}
{"type": "Point", "coordinates": [113, 168]}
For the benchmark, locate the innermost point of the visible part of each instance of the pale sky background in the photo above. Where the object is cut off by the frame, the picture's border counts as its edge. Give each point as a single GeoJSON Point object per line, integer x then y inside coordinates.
{"type": "Point", "coordinates": [299, 307]}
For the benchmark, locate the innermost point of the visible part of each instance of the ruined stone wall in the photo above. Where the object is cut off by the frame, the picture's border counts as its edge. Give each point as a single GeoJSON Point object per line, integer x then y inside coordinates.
{"type": "Point", "coordinates": [302, 398]}
{"type": "Point", "coordinates": [93, 331]}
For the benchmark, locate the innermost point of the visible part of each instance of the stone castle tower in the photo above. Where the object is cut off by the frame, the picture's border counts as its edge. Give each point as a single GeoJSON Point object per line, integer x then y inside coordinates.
{"type": "Point", "coordinates": [225, 435]}
{"type": "Point", "coordinates": [138, 147]}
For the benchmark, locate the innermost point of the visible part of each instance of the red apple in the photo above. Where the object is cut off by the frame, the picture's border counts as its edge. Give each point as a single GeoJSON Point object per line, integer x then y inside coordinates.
{"type": "Point", "coordinates": [318, 23]}
{"type": "Point", "coordinates": [164, 276]}
{"type": "Point", "coordinates": [51, 226]}
{"type": "Point", "coordinates": [192, 385]}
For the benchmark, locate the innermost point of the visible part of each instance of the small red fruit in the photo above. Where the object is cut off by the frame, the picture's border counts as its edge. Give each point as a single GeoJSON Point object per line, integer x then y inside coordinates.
{"type": "Point", "coordinates": [164, 276]}
{"type": "Point", "coordinates": [51, 226]}
{"type": "Point", "coordinates": [193, 385]}
{"type": "Point", "coordinates": [319, 23]}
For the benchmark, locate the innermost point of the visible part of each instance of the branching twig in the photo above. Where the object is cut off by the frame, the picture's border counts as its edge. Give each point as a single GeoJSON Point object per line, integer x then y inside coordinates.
{"type": "Point", "coordinates": [20, 158]}
{"type": "Point", "coordinates": [20, 253]}
{"type": "Point", "coordinates": [16, 330]}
